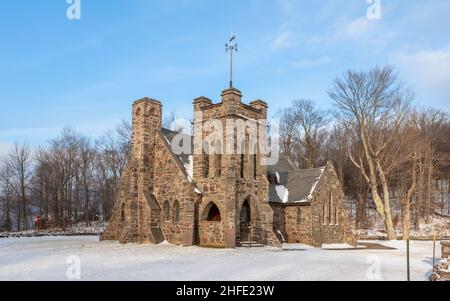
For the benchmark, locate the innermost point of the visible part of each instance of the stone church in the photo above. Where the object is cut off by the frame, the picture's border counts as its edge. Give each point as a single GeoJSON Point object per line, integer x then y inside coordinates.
{"type": "Point", "coordinates": [220, 200]}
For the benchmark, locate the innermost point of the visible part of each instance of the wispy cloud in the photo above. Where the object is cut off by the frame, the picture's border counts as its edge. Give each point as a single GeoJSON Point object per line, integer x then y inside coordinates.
{"type": "Point", "coordinates": [285, 40]}
{"type": "Point", "coordinates": [359, 27]}
{"type": "Point", "coordinates": [5, 147]}
{"type": "Point", "coordinates": [365, 31]}
{"type": "Point", "coordinates": [428, 70]}
{"type": "Point", "coordinates": [306, 63]}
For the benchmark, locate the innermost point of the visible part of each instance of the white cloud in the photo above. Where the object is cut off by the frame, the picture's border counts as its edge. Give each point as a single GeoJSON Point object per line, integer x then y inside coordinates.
{"type": "Point", "coordinates": [374, 33]}
{"type": "Point", "coordinates": [305, 63]}
{"type": "Point", "coordinates": [5, 147]}
{"type": "Point", "coordinates": [427, 70]}
{"type": "Point", "coordinates": [359, 27]}
{"type": "Point", "coordinates": [285, 40]}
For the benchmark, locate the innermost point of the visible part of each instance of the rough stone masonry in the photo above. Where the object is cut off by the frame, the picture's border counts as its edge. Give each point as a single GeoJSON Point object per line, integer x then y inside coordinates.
{"type": "Point", "coordinates": [220, 199]}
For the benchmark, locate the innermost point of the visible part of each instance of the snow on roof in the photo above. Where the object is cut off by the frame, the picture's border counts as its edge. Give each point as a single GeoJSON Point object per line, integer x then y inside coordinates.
{"type": "Point", "coordinates": [189, 167]}
{"type": "Point", "coordinates": [295, 186]}
{"type": "Point", "coordinates": [283, 193]}
{"type": "Point", "coordinates": [186, 160]}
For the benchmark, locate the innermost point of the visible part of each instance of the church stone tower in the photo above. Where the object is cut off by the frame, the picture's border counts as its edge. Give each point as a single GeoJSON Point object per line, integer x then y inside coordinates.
{"type": "Point", "coordinates": [136, 218]}
{"type": "Point", "coordinates": [234, 209]}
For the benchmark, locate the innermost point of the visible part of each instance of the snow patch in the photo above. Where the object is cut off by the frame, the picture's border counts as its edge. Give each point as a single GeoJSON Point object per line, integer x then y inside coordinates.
{"type": "Point", "coordinates": [189, 167]}
{"type": "Point", "coordinates": [283, 193]}
{"type": "Point", "coordinates": [109, 260]}
{"type": "Point", "coordinates": [337, 246]}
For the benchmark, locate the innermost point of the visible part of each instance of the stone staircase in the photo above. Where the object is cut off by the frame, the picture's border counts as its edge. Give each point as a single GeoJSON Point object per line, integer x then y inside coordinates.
{"type": "Point", "coordinates": [127, 234]}
{"type": "Point", "coordinates": [250, 244]}
{"type": "Point", "coordinates": [251, 241]}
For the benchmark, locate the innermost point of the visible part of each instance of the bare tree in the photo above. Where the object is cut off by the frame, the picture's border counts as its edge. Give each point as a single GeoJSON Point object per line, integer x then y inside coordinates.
{"type": "Point", "coordinates": [431, 123]}
{"type": "Point", "coordinates": [303, 132]}
{"type": "Point", "coordinates": [374, 105]}
{"type": "Point", "coordinates": [19, 162]}
{"type": "Point", "coordinates": [311, 131]}
{"type": "Point", "coordinates": [7, 197]}
{"type": "Point", "coordinates": [288, 131]}
{"type": "Point", "coordinates": [85, 163]}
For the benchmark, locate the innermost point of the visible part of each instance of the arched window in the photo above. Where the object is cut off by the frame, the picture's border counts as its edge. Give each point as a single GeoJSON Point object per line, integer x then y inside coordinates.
{"type": "Point", "coordinates": [122, 212]}
{"type": "Point", "coordinates": [167, 211]}
{"type": "Point", "coordinates": [299, 216]}
{"type": "Point", "coordinates": [213, 213]}
{"type": "Point", "coordinates": [176, 212]}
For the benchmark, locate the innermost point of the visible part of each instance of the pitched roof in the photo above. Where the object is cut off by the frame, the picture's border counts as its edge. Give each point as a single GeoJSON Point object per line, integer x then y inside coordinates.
{"type": "Point", "coordinates": [295, 187]}
{"type": "Point", "coordinates": [185, 160]}
{"type": "Point", "coordinates": [283, 165]}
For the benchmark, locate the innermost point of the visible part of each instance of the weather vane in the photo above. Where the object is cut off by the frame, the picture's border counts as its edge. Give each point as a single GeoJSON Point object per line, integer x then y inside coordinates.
{"type": "Point", "coordinates": [231, 48]}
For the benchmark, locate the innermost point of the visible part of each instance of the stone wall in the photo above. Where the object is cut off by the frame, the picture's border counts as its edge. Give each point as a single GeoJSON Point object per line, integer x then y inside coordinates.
{"type": "Point", "coordinates": [155, 180]}
{"type": "Point", "coordinates": [298, 232]}
{"type": "Point", "coordinates": [221, 181]}
{"type": "Point", "coordinates": [330, 221]}
{"type": "Point", "coordinates": [173, 186]}
{"type": "Point", "coordinates": [445, 249]}
{"type": "Point", "coordinates": [441, 272]}
{"type": "Point", "coordinates": [211, 234]}
{"type": "Point", "coordinates": [153, 177]}
{"type": "Point", "coordinates": [313, 226]}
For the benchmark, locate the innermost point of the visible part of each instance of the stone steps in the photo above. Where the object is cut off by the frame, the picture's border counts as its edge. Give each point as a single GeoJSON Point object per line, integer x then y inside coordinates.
{"type": "Point", "coordinates": [250, 244]}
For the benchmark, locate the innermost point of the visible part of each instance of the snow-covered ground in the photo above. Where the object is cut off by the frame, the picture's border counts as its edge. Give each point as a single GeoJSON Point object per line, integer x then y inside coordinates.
{"type": "Point", "coordinates": [52, 258]}
{"type": "Point", "coordinates": [439, 226]}
{"type": "Point", "coordinates": [96, 228]}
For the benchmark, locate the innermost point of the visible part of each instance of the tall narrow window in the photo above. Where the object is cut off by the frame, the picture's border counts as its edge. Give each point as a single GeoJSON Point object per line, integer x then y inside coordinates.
{"type": "Point", "coordinates": [255, 166]}
{"type": "Point", "coordinates": [167, 211]}
{"type": "Point", "coordinates": [323, 214]}
{"type": "Point", "coordinates": [122, 213]}
{"type": "Point", "coordinates": [218, 159]}
{"type": "Point", "coordinates": [176, 212]}
{"type": "Point", "coordinates": [299, 216]}
{"type": "Point", "coordinates": [206, 164]}
{"type": "Point", "coordinates": [330, 206]}
{"type": "Point", "coordinates": [336, 215]}
{"type": "Point", "coordinates": [242, 166]}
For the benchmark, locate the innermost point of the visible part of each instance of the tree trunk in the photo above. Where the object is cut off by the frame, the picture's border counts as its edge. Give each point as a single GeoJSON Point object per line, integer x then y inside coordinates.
{"type": "Point", "coordinates": [390, 230]}
{"type": "Point", "coordinates": [430, 179]}
{"type": "Point", "coordinates": [361, 218]}
{"type": "Point", "coordinates": [407, 201]}
{"type": "Point", "coordinates": [19, 214]}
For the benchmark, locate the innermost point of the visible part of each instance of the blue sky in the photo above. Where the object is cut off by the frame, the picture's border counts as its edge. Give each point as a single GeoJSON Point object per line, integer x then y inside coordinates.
{"type": "Point", "coordinates": [56, 72]}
